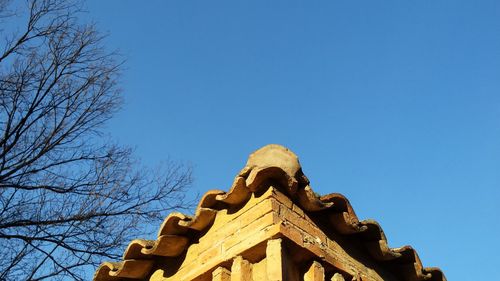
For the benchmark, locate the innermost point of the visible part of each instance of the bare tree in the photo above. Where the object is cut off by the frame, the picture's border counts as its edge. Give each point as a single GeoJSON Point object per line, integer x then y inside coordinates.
{"type": "Point", "coordinates": [68, 198]}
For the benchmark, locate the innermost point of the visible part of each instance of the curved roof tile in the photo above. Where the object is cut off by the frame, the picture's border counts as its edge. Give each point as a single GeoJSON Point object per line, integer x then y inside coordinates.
{"type": "Point", "coordinates": [270, 164]}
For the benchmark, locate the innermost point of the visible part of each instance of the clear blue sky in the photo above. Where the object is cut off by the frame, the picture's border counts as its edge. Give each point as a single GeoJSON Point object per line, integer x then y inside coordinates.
{"type": "Point", "coordinates": [395, 104]}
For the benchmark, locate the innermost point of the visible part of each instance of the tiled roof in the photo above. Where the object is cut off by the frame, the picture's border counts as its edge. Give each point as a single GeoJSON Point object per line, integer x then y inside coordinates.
{"type": "Point", "coordinates": [279, 166]}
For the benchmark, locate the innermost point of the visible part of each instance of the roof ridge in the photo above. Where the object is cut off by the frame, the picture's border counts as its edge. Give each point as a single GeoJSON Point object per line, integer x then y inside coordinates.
{"type": "Point", "coordinates": [272, 163]}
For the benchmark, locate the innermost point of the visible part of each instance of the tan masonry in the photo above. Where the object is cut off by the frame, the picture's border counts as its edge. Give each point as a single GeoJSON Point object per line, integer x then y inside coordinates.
{"type": "Point", "coordinates": [270, 226]}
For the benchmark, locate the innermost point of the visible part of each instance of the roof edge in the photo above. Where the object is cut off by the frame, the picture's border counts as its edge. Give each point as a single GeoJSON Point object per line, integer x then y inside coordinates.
{"type": "Point", "coordinates": [276, 164]}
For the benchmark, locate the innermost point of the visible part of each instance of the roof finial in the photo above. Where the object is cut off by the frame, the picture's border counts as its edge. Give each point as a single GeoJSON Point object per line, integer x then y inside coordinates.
{"type": "Point", "coordinates": [274, 155]}
{"type": "Point", "coordinates": [277, 162]}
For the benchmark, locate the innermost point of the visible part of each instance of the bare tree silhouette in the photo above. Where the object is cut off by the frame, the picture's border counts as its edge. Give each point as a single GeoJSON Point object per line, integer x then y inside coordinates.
{"type": "Point", "coordinates": [68, 197]}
